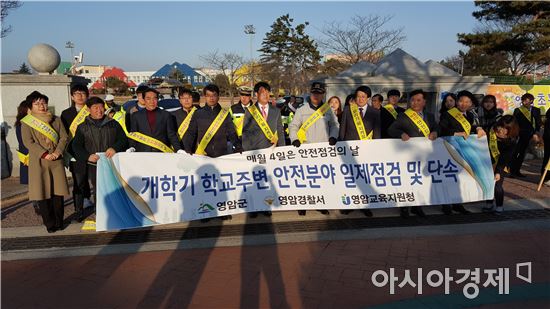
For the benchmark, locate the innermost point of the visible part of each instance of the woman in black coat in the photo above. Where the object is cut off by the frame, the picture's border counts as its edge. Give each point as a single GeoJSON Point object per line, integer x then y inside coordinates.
{"type": "Point", "coordinates": [502, 139]}
{"type": "Point", "coordinates": [487, 112]}
{"type": "Point", "coordinates": [22, 111]}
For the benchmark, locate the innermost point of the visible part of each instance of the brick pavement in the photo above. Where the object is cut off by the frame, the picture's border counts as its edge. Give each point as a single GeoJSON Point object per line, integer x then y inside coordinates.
{"type": "Point", "coordinates": [328, 274]}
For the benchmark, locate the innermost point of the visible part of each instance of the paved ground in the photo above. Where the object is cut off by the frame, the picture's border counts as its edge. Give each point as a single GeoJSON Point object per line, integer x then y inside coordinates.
{"type": "Point", "coordinates": [325, 268]}
{"type": "Point", "coordinates": [323, 274]}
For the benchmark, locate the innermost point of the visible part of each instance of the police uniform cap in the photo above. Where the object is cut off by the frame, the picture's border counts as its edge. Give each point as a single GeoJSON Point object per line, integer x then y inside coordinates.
{"type": "Point", "coordinates": [318, 87]}
{"type": "Point", "coordinates": [246, 91]}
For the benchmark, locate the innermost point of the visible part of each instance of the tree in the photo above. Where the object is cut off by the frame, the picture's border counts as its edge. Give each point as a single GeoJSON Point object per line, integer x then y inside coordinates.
{"type": "Point", "coordinates": [226, 64]}
{"type": "Point", "coordinates": [333, 67]}
{"type": "Point", "coordinates": [520, 30]}
{"type": "Point", "coordinates": [119, 86]}
{"type": "Point", "coordinates": [176, 74]}
{"type": "Point", "coordinates": [222, 82]}
{"type": "Point", "coordinates": [24, 69]}
{"type": "Point", "coordinates": [289, 56]}
{"type": "Point", "coordinates": [363, 38]}
{"type": "Point", "coordinates": [6, 7]}
{"type": "Point", "coordinates": [475, 62]}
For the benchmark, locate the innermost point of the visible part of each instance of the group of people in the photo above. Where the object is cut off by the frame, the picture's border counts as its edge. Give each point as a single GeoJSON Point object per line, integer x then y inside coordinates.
{"type": "Point", "coordinates": [92, 125]}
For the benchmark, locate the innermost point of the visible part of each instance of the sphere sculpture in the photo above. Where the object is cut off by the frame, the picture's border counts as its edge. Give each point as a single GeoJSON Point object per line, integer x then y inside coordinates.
{"type": "Point", "coordinates": [43, 58]}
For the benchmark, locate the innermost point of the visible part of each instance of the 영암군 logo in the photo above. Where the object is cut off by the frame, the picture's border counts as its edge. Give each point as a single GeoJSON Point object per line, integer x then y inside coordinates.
{"type": "Point", "coordinates": [346, 200]}
{"type": "Point", "coordinates": [205, 208]}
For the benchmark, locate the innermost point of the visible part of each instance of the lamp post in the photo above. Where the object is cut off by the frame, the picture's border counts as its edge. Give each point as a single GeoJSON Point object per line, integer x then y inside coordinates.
{"type": "Point", "coordinates": [250, 30]}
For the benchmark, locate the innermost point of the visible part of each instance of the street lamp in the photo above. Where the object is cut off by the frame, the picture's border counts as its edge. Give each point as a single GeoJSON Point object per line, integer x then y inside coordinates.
{"type": "Point", "coordinates": [70, 45]}
{"type": "Point", "coordinates": [250, 30]}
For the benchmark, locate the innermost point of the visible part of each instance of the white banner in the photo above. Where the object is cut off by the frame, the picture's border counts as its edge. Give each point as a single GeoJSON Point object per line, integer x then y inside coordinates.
{"type": "Point", "coordinates": [143, 189]}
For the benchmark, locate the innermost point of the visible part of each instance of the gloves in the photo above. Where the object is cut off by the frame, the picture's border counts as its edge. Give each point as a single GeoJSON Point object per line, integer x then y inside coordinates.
{"type": "Point", "coordinates": [332, 141]}
{"type": "Point", "coordinates": [180, 151]}
{"type": "Point", "coordinates": [296, 143]}
{"type": "Point", "coordinates": [131, 149]}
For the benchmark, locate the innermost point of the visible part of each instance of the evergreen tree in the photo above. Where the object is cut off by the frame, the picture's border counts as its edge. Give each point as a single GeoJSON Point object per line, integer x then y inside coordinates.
{"type": "Point", "coordinates": [24, 69]}
{"type": "Point", "coordinates": [519, 29]}
{"type": "Point", "coordinates": [289, 56]}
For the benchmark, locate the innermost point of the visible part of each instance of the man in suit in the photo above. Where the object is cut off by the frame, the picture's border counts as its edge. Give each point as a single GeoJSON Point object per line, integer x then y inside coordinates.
{"type": "Point", "coordinates": [370, 121]}
{"type": "Point", "coordinates": [389, 112]}
{"type": "Point", "coordinates": [450, 125]}
{"type": "Point", "coordinates": [528, 117]}
{"type": "Point", "coordinates": [185, 96]}
{"type": "Point", "coordinates": [195, 142]}
{"type": "Point", "coordinates": [217, 145]}
{"type": "Point", "coordinates": [254, 137]}
{"type": "Point", "coordinates": [81, 186]}
{"type": "Point", "coordinates": [155, 124]}
{"type": "Point", "coordinates": [414, 122]}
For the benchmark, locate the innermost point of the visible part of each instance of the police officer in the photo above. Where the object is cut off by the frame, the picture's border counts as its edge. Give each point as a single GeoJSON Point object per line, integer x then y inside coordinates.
{"type": "Point", "coordinates": [325, 128]}
{"type": "Point", "coordinates": [238, 110]}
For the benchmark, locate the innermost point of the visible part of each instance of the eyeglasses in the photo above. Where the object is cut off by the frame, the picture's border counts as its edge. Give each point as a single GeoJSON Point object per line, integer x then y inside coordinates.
{"type": "Point", "coordinates": [39, 103]}
{"type": "Point", "coordinates": [79, 93]}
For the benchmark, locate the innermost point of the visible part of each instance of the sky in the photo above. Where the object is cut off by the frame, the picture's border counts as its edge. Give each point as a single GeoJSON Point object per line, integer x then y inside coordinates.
{"type": "Point", "coordinates": [143, 36]}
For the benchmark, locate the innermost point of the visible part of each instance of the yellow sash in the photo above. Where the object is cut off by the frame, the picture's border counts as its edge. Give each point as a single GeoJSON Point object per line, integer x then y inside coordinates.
{"type": "Point", "coordinates": [320, 112]}
{"type": "Point", "coordinates": [84, 111]}
{"type": "Point", "coordinates": [359, 126]}
{"type": "Point", "coordinates": [212, 129]}
{"type": "Point", "coordinates": [120, 117]}
{"type": "Point", "coordinates": [23, 158]}
{"type": "Point", "coordinates": [527, 114]}
{"type": "Point", "coordinates": [493, 146]}
{"type": "Point", "coordinates": [238, 122]}
{"type": "Point", "coordinates": [41, 127]}
{"type": "Point", "coordinates": [149, 141]}
{"type": "Point", "coordinates": [418, 121]}
{"type": "Point", "coordinates": [185, 123]}
{"type": "Point", "coordinates": [263, 124]}
{"type": "Point", "coordinates": [391, 109]}
{"type": "Point", "coordinates": [466, 126]}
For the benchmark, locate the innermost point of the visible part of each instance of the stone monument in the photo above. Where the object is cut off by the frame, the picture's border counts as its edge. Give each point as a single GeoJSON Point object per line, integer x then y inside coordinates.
{"type": "Point", "coordinates": [14, 88]}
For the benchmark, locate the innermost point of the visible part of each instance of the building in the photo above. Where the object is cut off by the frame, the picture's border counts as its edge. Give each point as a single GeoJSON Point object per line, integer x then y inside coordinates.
{"type": "Point", "coordinates": [113, 72]}
{"type": "Point", "coordinates": [399, 70]}
{"type": "Point", "coordinates": [94, 72]}
{"type": "Point", "coordinates": [189, 75]}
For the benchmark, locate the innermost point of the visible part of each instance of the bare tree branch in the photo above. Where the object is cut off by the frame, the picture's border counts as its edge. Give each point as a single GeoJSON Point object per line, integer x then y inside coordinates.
{"type": "Point", "coordinates": [362, 38]}
{"type": "Point", "coordinates": [6, 7]}
{"type": "Point", "coordinates": [227, 63]}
